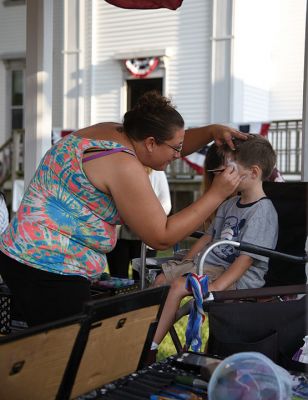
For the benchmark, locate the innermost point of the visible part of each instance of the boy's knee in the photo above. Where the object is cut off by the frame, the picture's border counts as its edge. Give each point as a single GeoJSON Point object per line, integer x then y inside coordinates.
{"type": "Point", "coordinates": [178, 285]}
{"type": "Point", "coordinates": [160, 280]}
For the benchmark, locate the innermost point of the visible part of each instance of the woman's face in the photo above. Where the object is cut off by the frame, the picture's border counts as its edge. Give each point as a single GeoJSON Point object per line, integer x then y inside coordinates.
{"type": "Point", "coordinates": [168, 151]}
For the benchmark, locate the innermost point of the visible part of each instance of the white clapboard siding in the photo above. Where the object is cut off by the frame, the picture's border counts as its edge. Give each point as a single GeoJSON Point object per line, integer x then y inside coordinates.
{"type": "Point", "coordinates": [12, 41]}
{"type": "Point", "coordinates": [288, 58]}
{"type": "Point", "coordinates": [268, 59]}
{"type": "Point", "coordinates": [185, 32]}
{"type": "Point", "coordinates": [12, 29]}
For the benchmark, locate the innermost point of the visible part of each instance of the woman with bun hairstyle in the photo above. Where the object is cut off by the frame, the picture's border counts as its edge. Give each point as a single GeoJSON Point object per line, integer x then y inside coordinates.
{"type": "Point", "coordinates": [86, 184]}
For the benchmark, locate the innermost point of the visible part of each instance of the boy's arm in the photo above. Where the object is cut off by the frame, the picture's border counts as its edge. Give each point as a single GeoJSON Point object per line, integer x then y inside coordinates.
{"type": "Point", "coordinates": [232, 274]}
{"type": "Point", "coordinates": [198, 246]}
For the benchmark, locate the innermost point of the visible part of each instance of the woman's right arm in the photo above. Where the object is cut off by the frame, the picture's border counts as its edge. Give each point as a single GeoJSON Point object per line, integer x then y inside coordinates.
{"type": "Point", "coordinates": [130, 187]}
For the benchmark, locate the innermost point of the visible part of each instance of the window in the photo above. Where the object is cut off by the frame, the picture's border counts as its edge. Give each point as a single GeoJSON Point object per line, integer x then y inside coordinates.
{"type": "Point", "coordinates": [17, 99]}
{"type": "Point", "coordinates": [137, 87]}
{"type": "Point", "coordinates": [8, 3]}
{"type": "Point", "coordinates": [15, 89]}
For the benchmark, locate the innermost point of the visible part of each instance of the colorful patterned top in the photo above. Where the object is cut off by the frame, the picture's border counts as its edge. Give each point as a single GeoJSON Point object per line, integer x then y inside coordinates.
{"type": "Point", "coordinates": [64, 224]}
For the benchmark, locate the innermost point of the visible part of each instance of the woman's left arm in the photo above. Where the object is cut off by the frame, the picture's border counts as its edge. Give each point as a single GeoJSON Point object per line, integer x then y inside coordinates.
{"type": "Point", "coordinates": [196, 138]}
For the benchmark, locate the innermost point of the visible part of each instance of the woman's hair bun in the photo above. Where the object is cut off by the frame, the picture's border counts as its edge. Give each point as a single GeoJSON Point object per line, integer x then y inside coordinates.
{"type": "Point", "coordinates": [152, 102]}
{"type": "Point", "coordinates": [153, 115]}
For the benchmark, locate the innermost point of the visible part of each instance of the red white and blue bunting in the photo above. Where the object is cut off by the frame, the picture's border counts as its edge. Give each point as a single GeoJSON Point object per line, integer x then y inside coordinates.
{"type": "Point", "coordinates": [146, 4]}
{"type": "Point", "coordinates": [142, 67]}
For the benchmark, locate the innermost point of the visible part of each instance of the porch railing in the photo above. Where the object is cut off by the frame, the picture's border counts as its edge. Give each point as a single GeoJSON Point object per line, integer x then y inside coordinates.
{"type": "Point", "coordinates": [285, 136]}
{"type": "Point", "coordinates": [286, 139]}
{"type": "Point", "coordinates": [12, 158]}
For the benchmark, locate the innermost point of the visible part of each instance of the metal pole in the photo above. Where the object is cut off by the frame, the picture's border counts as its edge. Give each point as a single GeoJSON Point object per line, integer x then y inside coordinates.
{"type": "Point", "coordinates": [210, 248]}
{"type": "Point", "coordinates": [305, 108]}
{"type": "Point", "coordinates": [142, 266]}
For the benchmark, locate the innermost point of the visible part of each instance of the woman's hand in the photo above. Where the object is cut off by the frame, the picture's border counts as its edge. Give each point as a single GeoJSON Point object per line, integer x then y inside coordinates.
{"type": "Point", "coordinates": [226, 182]}
{"type": "Point", "coordinates": [196, 138]}
{"type": "Point", "coordinates": [224, 134]}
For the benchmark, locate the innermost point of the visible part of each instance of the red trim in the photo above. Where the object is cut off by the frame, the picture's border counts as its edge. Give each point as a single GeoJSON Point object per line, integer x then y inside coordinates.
{"type": "Point", "coordinates": [264, 129]}
{"type": "Point", "coordinates": [196, 167]}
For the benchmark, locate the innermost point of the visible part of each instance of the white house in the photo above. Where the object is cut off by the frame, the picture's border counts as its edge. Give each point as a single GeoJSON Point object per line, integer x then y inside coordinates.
{"type": "Point", "coordinates": [219, 60]}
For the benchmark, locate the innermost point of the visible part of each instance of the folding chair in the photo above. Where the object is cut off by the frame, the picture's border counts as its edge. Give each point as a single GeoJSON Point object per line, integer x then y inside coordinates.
{"type": "Point", "coordinates": [71, 357]}
{"type": "Point", "coordinates": [291, 202]}
{"type": "Point", "coordinates": [274, 328]}
{"type": "Point", "coordinates": [285, 268]}
{"type": "Point", "coordinates": [117, 336]}
{"type": "Point", "coordinates": [33, 362]}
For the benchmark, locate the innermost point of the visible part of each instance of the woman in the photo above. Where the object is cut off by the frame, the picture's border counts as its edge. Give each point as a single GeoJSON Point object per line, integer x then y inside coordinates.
{"type": "Point", "coordinates": [85, 185]}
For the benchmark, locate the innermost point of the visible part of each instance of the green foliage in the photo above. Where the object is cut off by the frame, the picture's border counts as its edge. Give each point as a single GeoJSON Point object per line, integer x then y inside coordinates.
{"type": "Point", "coordinates": [167, 348]}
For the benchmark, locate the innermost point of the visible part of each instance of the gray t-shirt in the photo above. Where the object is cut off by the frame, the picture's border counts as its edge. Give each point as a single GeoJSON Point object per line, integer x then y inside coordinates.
{"type": "Point", "coordinates": [255, 223]}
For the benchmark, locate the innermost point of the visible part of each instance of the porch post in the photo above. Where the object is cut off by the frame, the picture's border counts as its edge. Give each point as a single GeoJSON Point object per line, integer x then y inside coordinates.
{"type": "Point", "coordinates": [38, 104]}
{"type": "Point", "coordinates": [71, 55]}
{"type": "Point", "coordinates": [304, 177]}
{"type": "Point", "coordinates": [222, 43]}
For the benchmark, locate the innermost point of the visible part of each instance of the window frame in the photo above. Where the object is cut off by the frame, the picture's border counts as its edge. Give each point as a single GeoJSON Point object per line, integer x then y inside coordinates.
{"type": "Point", "coordinates": [13, 3]}
{"type": "Point", "coordinates": [11, 66]}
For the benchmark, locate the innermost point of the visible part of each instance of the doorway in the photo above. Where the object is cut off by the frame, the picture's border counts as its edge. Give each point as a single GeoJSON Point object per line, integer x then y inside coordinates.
{"type": "Point", "coordinates": [137, 87]}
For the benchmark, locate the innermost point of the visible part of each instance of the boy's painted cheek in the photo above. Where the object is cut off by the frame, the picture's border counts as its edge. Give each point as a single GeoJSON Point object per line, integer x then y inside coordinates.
{"type": "Point", "coordinates": [230, 162]}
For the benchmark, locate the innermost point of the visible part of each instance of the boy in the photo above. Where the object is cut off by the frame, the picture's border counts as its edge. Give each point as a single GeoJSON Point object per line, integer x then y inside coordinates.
{"type": "Point", "coordinates": [250, 217]}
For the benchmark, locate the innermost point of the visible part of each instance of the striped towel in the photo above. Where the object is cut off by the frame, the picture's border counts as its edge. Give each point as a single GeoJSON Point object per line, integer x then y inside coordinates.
{"type": "Point", "coordinates": [198, 286]}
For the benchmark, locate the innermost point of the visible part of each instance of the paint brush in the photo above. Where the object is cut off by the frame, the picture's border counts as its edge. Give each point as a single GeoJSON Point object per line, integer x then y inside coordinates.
{"type": "Point", "coordinates": [216, 170]}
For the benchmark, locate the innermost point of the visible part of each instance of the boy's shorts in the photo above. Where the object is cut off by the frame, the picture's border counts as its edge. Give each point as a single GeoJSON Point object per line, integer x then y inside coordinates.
{"type": "Point", "coordinates": [174, 269]}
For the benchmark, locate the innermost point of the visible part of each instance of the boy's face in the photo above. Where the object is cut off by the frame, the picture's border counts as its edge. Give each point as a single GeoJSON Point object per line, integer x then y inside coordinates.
{"type": "Point", "coordinates": [245, 173]}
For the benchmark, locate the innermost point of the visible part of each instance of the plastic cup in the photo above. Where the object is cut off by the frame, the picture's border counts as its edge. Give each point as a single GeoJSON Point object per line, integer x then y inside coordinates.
{"type": "Point", "coordinates": [249, 376]}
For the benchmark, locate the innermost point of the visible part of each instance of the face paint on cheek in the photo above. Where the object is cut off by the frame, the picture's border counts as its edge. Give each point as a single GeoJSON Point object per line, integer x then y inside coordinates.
{"type": "Point", "coordinates": [232, 163]}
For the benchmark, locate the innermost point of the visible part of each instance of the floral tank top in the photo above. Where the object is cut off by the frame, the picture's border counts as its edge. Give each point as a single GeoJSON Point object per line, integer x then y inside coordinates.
{"type": "Point", "coordinates": [64, 224]}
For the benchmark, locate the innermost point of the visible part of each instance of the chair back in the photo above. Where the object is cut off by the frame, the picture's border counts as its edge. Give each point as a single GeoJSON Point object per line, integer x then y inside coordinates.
{"type": "Point", "coordinates": [33, 362]}
{"type": "Point", "coordinates": [121, 331]}
{"type": "Point", "coordinates": [290, 201]}
{"type": "Point", "coordinates": [274, 328]}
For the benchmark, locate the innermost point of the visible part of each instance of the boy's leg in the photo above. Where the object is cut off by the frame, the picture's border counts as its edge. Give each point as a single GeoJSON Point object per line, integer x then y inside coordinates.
{"type": "Point", "coordinates": [176, 293]}
{"type": "Point", "coordinates": [174, 269]}
{"type": "Point", "coordinates": [214, 272]}
{"type": "Point", "coordinates": [160, 280]}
